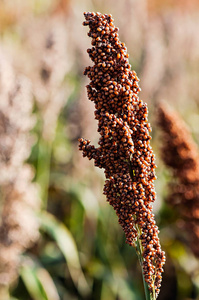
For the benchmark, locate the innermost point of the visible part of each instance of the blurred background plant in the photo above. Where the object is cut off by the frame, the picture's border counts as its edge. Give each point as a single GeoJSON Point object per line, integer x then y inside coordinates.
{"type": "Point", "coordinates": [81, 253]}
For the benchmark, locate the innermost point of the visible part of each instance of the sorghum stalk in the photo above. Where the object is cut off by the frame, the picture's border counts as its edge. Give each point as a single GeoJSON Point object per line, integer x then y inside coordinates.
{"type": "Point", "coordinates": [124, 146]}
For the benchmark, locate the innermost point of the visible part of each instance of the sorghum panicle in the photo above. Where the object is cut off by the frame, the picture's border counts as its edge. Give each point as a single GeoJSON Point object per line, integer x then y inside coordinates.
{"type": "Point", "coordinates": [19, 199]}
{"type": "Point", "coordinates": [124, 146]}
{"type": "Point", "coordinates": [181, 154]}
{"type": "Point", "coordinates": [48, 40]}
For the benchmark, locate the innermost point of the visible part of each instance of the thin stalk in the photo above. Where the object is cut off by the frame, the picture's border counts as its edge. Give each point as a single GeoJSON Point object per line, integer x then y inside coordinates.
{"type": "Point", "coordinates": [139, 250]}
{"type": "Point", "coordinates": [43, 166]}
{"type": "Point", "coordinates": [4, 292]}
{"type": "Point", "coordinates": [148, 295]}
{"type": "Point", "coordinates": [43, 169]}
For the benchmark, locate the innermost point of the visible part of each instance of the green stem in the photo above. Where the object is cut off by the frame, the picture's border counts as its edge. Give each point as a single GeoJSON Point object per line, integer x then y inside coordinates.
{"type": "Point", "coordinates": [139, 250]}
{"type": "Point", "coordinates": [148, 295]}
{"type": "Point", "coordinates": [43, 169]}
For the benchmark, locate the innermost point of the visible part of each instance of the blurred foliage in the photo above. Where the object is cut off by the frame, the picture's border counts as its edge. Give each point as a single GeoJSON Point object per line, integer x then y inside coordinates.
{"type": "Point", "coordinates": [81, 253]}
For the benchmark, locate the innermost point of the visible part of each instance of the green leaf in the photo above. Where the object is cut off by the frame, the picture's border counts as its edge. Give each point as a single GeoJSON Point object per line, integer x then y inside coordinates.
{"type": "Point", "coordinates": [37, 280]}
{"type": "Point", "coordinates": [65, 241]}
{"type": "Point", "coordinates": [32, 282]}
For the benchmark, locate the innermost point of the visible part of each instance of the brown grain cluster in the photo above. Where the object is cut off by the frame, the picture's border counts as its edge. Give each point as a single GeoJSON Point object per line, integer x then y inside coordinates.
{"type": "Point", "coordinates": [124, 146]}
{"type": "Point", "coordinates": [180, 153]}
{"type": "Point", "coordinates": [19, 196]}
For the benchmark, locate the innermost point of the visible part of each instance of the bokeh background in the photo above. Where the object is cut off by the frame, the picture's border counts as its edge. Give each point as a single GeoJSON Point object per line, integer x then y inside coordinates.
{"type": "Point", "coordinates": [59, 239]}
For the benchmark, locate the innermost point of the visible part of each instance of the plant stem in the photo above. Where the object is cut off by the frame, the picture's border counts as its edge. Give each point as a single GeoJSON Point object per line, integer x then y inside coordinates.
{"type": "Point", "coordinates": [4, 293]}
{"type": "Point", "coordinates": [43, 169]}
{"type": "Point", "coordinates": [148, 295]}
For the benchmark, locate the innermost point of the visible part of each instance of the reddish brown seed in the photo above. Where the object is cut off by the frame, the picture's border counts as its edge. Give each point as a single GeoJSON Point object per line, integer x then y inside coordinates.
{"type": "Point", "coordinates": [124, 142]}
